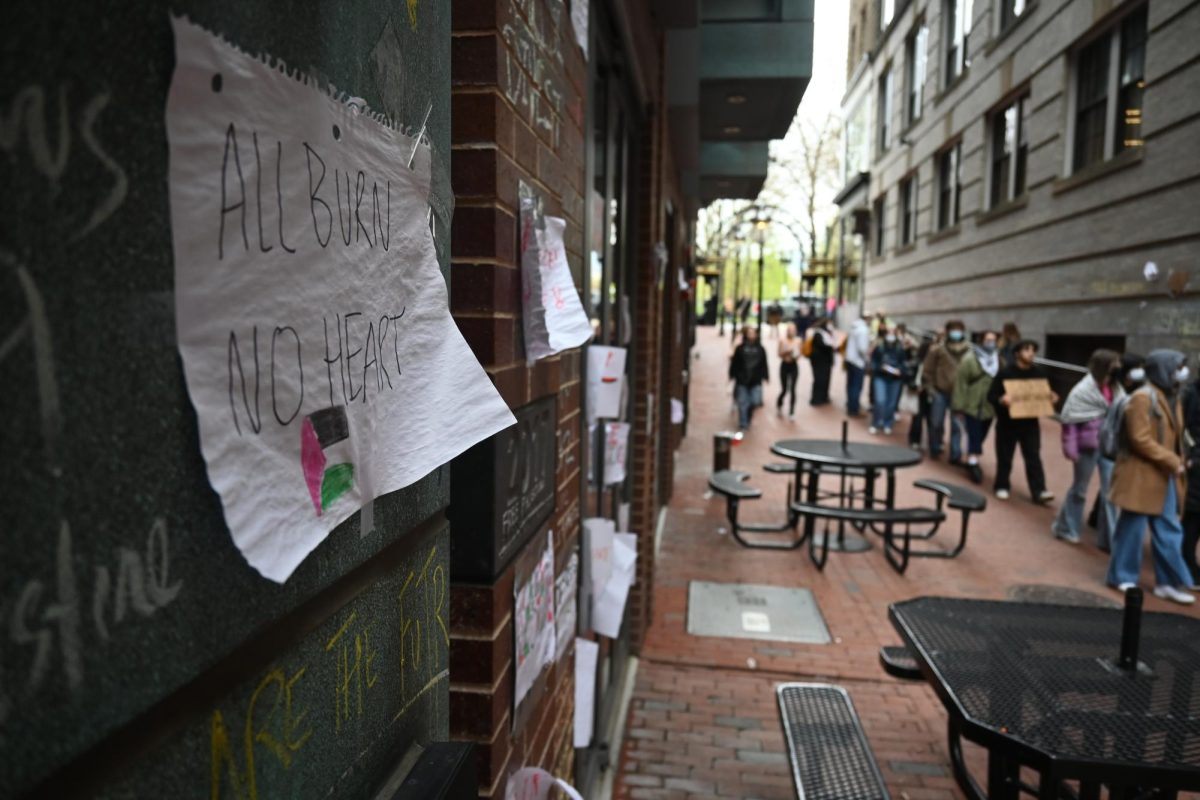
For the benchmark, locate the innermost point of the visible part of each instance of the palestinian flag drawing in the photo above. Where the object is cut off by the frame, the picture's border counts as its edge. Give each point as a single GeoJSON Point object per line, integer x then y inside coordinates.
{"type": "Point", "coordinates": [320, 435]}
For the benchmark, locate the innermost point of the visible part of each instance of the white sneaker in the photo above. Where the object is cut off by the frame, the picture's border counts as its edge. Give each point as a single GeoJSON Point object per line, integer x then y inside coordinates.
{"type": "Point", "coordinates": [887, 431]}
{"type": "Point", "coordinates": [872, 430]}
{"type": "Point", "coordinates": [1002, 494]}
{"type": "Point", "coordinates": [1124, 587]}
{"type": "Point", "coordinates": [1174, 595]}
{"type": "Point", "coordinates": [1045, 496]}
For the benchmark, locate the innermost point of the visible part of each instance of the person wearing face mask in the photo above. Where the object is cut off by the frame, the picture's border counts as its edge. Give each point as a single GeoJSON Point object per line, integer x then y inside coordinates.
{"type": "Point", "coordinates": [972, 381]}
{"type": "Point", "coordinates": [1026, 433]}
{"type": "Point", "coordinates": [1191, 507]}
{"type": "Point", "coordinates": [1129, 375]}
{"type": "Point", "coordinates": [889, 370]}
{"type": "Point", "coordinates": [1149, 480]}
{"type": "Point", "coordinates": [937, 379]}
{"type": "Point", "coordinates": [1082, 415]}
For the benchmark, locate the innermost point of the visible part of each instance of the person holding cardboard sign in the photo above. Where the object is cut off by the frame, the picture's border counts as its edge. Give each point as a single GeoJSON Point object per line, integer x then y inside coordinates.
{"type": "Point", "coordinates": [1021, 394]}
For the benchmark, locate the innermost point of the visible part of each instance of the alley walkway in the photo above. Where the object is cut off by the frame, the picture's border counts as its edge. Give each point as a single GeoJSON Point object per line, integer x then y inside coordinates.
{"type": "Point", "coordinates": [703, 721]}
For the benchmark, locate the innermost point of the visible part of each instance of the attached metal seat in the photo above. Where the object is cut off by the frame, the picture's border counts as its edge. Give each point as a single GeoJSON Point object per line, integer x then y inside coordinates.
{"type": "Point", "coordinates": [828, 750]}
{"type": "Point", "coordinates": [898, 661]}
{"type": "Point", "coordinates": [889, 518]}
{"type": "Point", "coordinates": [732, 484]}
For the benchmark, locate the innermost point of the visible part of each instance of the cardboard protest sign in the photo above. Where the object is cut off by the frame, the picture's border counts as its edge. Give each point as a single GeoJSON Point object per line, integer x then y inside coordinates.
{"type": "Point", "coordinates": [1029, 398]}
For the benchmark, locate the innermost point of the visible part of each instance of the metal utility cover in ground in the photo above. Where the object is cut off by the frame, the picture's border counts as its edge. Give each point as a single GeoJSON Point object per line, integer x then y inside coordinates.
{"type": "Point", "coordinates": [750, 611]}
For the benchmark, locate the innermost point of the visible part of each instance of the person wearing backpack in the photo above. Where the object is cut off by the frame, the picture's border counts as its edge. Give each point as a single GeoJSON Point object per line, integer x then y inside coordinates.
{"type": "Point", "coordinates": [1149, 480]}
{"type": "Point", "coordinates": [1082, 416]}
{"type": "Point", "coordinates": [820, 346]}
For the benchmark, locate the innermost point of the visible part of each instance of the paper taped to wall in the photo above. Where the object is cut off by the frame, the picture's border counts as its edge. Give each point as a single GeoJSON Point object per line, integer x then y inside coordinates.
{"type": "Point", "coordinates": [311, 314]}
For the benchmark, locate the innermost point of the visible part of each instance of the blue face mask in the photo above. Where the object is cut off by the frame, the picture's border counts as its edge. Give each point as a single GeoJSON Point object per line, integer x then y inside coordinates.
{"type": "Point", "coordinates": [955, 335]}
{"type": "Point", "coordinates": [989, 347]}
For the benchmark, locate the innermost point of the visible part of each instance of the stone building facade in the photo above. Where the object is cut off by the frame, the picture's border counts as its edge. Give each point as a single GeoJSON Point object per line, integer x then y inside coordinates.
{"type": "Point", "coordinates": [1023, 161]}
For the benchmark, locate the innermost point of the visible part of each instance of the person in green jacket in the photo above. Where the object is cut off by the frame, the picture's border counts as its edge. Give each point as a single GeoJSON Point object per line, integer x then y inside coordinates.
{"type": "Point", "coordinates": [972, 381]}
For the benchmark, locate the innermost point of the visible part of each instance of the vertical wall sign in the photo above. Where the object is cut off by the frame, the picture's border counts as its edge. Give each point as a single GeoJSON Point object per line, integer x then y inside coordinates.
{"type": "Point", "coordinates": [310, 311]}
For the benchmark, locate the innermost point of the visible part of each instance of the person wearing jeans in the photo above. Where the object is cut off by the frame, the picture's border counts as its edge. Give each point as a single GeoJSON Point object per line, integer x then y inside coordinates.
{"type": "Point", "coordinates": [938, 372]}
{"type": "Point", "coordinates": [1082, 416]}
{"type": "Point", "coordinates": [972, 381]}
{"type": "Point", "coordinates": [858, 343]}
{"type": "Point", "coordinates": [888, 373]}
{"type": "Point", "coordinates": [1147, 482]}
{"type": "Point", "coordinates": [748, 369]}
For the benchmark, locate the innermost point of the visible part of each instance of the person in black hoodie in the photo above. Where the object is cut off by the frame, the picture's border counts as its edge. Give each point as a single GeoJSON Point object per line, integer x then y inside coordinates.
{"type": "Point", "coordinates": [1013, 432]}
{"type": "Point", "coordinates": [820, 354]}
{"type": "Point", "coordinates": [748, 369]}
{"type": "Point", "coordinates": [1191, 508]}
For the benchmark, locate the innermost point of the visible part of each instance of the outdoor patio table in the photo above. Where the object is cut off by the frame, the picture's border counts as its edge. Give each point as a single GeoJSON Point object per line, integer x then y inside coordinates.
{"type": "Point", "coordinates": [1038, 686]}
{"type": "Point", "coordinates": [834, 456]}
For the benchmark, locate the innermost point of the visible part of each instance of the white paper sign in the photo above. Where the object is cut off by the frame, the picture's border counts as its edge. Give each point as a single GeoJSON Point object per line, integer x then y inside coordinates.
{"type": "Point", "coordinates": [533, 622]}
{"type": "Point", "coordinates": [566, 587]}
{"type": "Point", "coordinates": [586, 654]}
{"type": "Point", "coordinates": [579, 21]}
{"type": "Point", "coordinates": [616, 442]}
{"type": "Point", "coordinates": [676, 411]}
{"type": "Point", "coordinates": [310, 311]}
{"type": "Point", "coordinates": [534, 783]}
{"type": "Point", "coordinates": [609, 607]}
{"type": "Point", "coordinates": [606, 377]}
{"type": "Point", "coordinates": [553, 317]}
{"type": "Point", "coordinates": [598, 538]}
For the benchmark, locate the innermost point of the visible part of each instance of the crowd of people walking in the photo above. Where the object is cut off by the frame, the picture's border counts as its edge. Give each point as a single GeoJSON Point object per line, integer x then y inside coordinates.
{"type": "Point", "coordinates": [1132, 422]}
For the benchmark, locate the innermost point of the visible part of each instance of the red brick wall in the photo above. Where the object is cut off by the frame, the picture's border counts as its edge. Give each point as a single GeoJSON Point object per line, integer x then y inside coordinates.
{"type": "Point", "coordinates": [519, 84]}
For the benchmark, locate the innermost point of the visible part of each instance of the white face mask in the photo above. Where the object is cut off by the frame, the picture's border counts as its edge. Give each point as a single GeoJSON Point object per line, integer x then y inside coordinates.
{"type": "Point", "coordinates": [1182, 374]}
{"type": "Point", "coordinates": [1137, 374]}
{"type": "Point", "coordinates": [889, 338]}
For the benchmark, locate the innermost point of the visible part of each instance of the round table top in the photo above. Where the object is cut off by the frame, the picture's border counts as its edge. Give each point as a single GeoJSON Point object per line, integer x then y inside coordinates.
{"type": "Point", "coordinates": [854, 454]}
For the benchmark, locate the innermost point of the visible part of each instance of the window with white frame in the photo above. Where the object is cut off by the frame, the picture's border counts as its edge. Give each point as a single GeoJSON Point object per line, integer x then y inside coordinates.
{"type": "Point", "coordinates": [1109, 82]}
{"type": "Point", "coordinates": [887, 10]}
{"type": "Point", "coordinates": [1010, 12]}
{"type": "Point", "coordinates": [949, 183]}
{"type": "Point", "coordinates": [879, 211]}
{"type": "Point", "coordinates": [884, 105]}
{"type": "Point", "coordinates": [908, 209]}
{"type": "Point", "coordinates": [957, 19]}
{"type": "Point", "coordinates": [1009, 150]}
{"type": "Point", "coordinates": [915, 55]}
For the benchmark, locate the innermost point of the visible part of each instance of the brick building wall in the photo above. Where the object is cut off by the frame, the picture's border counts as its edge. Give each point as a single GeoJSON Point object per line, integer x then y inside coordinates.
{"type": "Point", "coordinates": [519, 91]}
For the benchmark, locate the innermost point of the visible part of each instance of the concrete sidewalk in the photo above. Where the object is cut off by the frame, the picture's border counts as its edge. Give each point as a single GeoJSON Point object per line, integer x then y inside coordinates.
{"type": "Point", "coordinates": [703, 721]}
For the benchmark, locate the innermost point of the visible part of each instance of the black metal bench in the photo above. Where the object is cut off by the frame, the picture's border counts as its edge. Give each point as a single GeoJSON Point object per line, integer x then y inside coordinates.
{"type": "Point", "coordinates": [898, 661]}
{"type": "Point", "coordinates": [889, 518]}
{"type": "Point", "coordinates": [958, 498]}
{"type": "Point", "coordinates": [732, 485]}
{"type": "Point", "coordinates": [826, 745]}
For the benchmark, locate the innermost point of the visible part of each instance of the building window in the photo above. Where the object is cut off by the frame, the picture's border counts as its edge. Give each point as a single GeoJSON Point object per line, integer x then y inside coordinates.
{"type": "Point", "coordinates": [908, 210]}
{"type": "Point", "coordinates": [916, 48]}
{"type": "Point", "coordinates": [1010, 147]}
{"type": "Point", "coordinates": [879, 211]}
{"type": "Point", "coordinates": [949, 177]}
{"type": "Point", "coordinates": [958, 25]}
{"type": "Point", "coordinates": [1010, 12]}
{"type": "Point", "coordinates": [887, 10]}
{"type": "Point", "coordinates": [1109, 84]}
{"type": "Point", "coordinates": [885, 109]}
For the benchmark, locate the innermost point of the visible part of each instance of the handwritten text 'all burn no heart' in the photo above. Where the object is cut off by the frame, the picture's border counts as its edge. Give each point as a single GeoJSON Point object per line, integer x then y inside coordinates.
{"type": "Point", "coordinates": [361, 351]}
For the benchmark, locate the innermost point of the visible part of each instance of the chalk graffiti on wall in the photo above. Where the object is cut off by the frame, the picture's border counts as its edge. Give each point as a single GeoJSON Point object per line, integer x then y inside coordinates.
{"type": "Point", "coordinates": [531, 59]}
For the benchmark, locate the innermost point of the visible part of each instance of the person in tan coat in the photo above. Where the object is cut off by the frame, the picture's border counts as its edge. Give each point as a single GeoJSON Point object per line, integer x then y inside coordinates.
{"type": "Point", "coordinates": [1149, 481]}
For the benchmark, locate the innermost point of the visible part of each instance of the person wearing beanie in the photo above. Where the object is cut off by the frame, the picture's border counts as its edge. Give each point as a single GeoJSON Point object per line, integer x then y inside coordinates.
{"type": "Point", "coordinates": [1149, 482]}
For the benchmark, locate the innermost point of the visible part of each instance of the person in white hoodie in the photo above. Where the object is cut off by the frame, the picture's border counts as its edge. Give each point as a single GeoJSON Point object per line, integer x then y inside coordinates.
{"type": "Point", "coordinates": [858, 347]}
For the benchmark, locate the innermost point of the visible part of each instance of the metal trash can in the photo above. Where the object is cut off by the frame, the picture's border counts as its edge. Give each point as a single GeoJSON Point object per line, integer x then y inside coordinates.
{"type": "Point", "coordinates": [723, 442]}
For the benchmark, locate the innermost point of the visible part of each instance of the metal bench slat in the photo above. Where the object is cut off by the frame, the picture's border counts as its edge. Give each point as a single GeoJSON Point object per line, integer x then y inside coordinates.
{"type": "Point", "coordinates": [871, 514]}
{"type": "Point", "coordinates": [829, 753]}
{"type": "Point", "coordinates": [898, 661]}
{"type": "Point", "coordinates": [957, 497]}
{"type": "Point", "coordinates": [732, 483]}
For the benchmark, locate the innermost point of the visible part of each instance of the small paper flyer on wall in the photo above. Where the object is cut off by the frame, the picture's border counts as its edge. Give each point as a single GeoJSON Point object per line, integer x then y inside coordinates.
{"type": "Point", "coordinates": [553, 317]}
{"type": "Point", "coordinates": [605, 381]}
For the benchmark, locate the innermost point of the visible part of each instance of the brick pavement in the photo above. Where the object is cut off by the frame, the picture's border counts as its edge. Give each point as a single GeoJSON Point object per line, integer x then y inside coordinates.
{"type": "Point", "coordinates": [703, 721]}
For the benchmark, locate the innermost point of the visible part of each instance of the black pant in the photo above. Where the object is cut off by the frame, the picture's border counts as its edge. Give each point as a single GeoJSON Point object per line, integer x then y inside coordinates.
{"type": "Point", "coordinates": [1191, 537]}
{"type": "Point", "coordinates": [917, 424]}
{"type": "Point", "coordinates": [789, 371]}
{"type": "Point", "coordinates": [1027, 434]}
{"type": "Point", "coordinates": [820, 387]}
